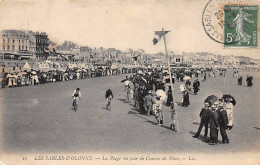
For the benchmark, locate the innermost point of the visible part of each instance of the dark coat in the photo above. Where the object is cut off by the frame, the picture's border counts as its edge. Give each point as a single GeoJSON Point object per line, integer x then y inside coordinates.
{"type": "Point", "coordinates": [205, 115]}
{"type": "Point", "coordinates": [223, 118]}
{"type": "Point", "coordinates": [213, 119]}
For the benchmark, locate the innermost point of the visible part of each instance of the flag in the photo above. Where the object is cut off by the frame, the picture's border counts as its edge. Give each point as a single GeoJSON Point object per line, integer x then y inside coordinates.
{"type": "Point", "coordinates": [158, 36]}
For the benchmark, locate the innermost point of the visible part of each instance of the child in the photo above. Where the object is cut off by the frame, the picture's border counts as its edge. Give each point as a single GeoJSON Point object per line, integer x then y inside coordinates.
{"type": "Point", "coordinates": [173, 116]}
{"type": "Point", "coordinates": [158, 111]}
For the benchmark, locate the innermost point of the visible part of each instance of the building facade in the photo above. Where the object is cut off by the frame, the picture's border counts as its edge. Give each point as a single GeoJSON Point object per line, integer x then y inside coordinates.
{"type": "Point", "coordinates": [42, 43]}
{"type": "Point", "coordinates": [14, 44]}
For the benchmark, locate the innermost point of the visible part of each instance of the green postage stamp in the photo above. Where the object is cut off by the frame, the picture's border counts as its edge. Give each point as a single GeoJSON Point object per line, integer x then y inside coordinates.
{"type": "Point", "coordinates": [241, 26]}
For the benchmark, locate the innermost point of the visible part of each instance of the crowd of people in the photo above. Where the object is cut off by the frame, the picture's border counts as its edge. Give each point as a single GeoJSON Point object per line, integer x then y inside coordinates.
{"type": "Point", "coordinates": [33, 77]}
{"type": "Point", "coordinates": [217, 115]}
{"type": "Point", "coordinates": [150, 90]}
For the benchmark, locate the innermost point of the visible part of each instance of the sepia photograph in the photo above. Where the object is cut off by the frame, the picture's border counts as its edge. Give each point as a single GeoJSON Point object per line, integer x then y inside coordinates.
{"type": "Point", "coordinates": [129, 82]}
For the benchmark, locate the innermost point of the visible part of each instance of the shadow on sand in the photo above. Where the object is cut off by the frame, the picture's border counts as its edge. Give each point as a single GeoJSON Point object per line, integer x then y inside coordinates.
{"type": "Point", "coordinates": [142, 116]}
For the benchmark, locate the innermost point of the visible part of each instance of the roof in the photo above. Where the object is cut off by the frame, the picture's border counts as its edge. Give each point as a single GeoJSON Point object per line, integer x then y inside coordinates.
{"type": "Point", "coordinates": [13, 31]}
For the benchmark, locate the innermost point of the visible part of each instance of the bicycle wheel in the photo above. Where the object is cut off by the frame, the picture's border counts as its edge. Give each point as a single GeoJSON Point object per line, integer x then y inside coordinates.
{"type": "Point", "coordinates": [74, 105]}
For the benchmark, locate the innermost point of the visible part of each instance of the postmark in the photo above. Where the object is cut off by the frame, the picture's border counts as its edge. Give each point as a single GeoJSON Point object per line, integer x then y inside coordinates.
{"type": "Point", "coordinates": [213, 20]}
{"type": "Point", "coordinates": [241, 26]}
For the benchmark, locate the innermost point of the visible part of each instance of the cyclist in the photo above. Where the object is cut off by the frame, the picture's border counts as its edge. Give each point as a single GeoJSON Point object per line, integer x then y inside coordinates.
{"type": "Point", "coordinates": [109, 97]}
{"type": "Point", "coordinates": [76, 95]}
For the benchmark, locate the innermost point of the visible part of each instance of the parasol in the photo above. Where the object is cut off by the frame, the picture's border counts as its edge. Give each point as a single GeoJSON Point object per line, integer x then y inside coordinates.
{"type": "Point", "coordinates": [186, 78]}
{"type": "Point", "coordinates": [161, 94]}
{"type": "Point", "coordinates": [211, 99]}
{"type": "Point", "coordinates": [33, 72]}
{"type": "Point", "coordinates": [9, 76]}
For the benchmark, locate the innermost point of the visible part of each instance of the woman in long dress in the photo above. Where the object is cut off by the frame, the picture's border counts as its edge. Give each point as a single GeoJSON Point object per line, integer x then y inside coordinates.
{"type": "Point", "coordinates": [242, 36]}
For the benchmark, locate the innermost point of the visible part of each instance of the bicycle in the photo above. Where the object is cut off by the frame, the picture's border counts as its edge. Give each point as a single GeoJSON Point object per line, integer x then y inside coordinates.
{"type": "Point", "coordinates": [109, 103]}
{"type": "Point", "coordinates": [75, 105]}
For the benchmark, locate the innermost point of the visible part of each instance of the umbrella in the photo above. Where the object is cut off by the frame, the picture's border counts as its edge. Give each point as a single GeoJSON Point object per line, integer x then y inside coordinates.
{"type": "Point", "coordinates": [33, 72]}
{"type": "Point", "coordinates": [186, 78]}
{"type": "Point", "coordinates": [211, 99]}
{"type": "Point", "coordinates": [161, 94]}
{"type": "Point", "coordinates": [229, 98]}
{"type": "Point", "coordinates": [198, 72]}
{"type": "Point", "coordinates": [127, 82]}
{"type": "Point", "coordinates": [9, 76]}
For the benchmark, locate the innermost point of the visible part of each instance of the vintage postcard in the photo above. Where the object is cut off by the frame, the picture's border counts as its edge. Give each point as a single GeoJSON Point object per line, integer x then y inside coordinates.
{"type": "Point", "coordinates": [129, 82]}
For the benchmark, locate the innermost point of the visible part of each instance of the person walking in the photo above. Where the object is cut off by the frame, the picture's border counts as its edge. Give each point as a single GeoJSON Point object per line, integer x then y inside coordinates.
{"type": "Point", "coordinates": [158, 111]}
{"type": "Point", "coordinates": [148, 103]}
{"type": "Point", "coordinates": [204, 120]}
{"type": "Point", "coordinates": [223, 121]}
{"type": "Point", "coordinates": [196, 85]}
{"type": "Point", "coordinates": [186, 99]}
{"type": "Point", "coordinates": [249, 81]}
{"type": "Point", "coordinates": [169, 96]}
{"type": "Point", "coordinates": [205, 77]}
{"type": "Point", "coordinates": [214, 125]}
{"type": "Point", "coordinates": [76, 95]}
{"type": "Point", "coordinates": [239, 80]}
{"type": "Point", "coordinates": [173, 116]}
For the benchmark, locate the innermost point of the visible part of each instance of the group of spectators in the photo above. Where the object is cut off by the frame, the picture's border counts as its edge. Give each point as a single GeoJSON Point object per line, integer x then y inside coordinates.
{"type": "Point", "coordinates": [150, 90]}
{"type": "Point", "coordinates": [217, 115]}
{"type": "Point", "coordinates": [32, 77]}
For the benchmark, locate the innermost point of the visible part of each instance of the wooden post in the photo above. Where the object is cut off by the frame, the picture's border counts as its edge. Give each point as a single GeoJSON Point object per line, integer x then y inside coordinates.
{"type": "Point", "coordinates": [169, 69]}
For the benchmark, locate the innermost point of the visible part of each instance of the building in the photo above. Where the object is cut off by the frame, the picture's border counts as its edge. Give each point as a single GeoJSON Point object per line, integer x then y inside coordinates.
{"type": "Point", "coordinates": [14, 44]}
{"type": "Point", "coordinates": [42, 44]}
{"type": "Point", "coordinates": [32, 42]}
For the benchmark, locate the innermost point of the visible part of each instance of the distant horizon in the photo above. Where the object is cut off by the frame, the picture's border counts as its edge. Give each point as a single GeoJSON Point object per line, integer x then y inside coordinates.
{"type": "Point", "coordinates": [119, 24]}
{"type": "Point", "coordinates": [86, 45]}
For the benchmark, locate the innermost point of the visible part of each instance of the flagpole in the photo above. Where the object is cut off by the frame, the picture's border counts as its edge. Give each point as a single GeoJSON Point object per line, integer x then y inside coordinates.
{"type": "Point", "coordinates": [169, 69]}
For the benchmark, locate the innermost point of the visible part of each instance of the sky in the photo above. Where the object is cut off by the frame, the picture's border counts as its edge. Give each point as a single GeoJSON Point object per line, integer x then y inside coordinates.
{"type": "Point", "coordinates": [118, 24]}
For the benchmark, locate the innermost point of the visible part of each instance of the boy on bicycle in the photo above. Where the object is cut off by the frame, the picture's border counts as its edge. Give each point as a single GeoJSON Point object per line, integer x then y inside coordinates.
{"type": "Point", "coordinates": [76, 95]}
{"type": "Point", "coordinates": [109, 97]}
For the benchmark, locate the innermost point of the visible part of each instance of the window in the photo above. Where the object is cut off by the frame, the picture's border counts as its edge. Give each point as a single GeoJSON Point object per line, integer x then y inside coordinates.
{"type": "Point", "coordinates": [8, 40]}
{"type": "Point", "coordinates": [8, 48]}
{"type": "Point", "coordinates": [3, 35]}
{"type": "Point", "coordinates": [3, 40]}
{"type": "Point", "coordinates": [19, 47]}
{"type": "Point", "coordinates": [3, 47]}
{"type": "Point", "coordinates": [13, 47]}
{"type": "Point", "coordinates": [22, 41]}
{"type": "Point", "coordinates": [13, 40]}
{"type": "Point", "coordinates": [26, 48]}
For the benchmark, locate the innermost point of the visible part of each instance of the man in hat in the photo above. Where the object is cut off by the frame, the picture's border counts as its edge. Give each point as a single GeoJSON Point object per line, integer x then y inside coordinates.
{"type": "Point", "coordinates": [223, 121]}
{"type": "Point", "coordinates": [249, 80]}
{"type": "Point", "coordinates": [204, 121]}
{"type": "Point", "coordinates": [239, 81]}
{"type": "Point", "coordinates": [148, 103]}
{"type": "Point", "coordinates": [196, 85]}
{"type": "Point", "coordinates": [214, 125]}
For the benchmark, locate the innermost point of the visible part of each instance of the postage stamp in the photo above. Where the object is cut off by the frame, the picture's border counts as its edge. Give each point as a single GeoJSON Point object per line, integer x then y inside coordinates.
{"type": "Point", "coordinates": [240, 28]}
{"type": "Point", "coordinates": [221, 20]}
